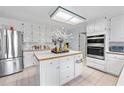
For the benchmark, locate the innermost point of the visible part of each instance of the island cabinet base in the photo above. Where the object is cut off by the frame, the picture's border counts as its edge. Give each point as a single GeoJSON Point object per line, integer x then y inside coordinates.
{"type": "Point", "coordinates": [58, 71]}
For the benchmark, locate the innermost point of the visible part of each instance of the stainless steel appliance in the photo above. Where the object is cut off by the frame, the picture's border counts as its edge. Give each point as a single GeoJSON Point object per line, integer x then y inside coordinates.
{"type": "Point", "coordinates": [11, 56]}
{"type": "Point", "coordinates": [95, 46]}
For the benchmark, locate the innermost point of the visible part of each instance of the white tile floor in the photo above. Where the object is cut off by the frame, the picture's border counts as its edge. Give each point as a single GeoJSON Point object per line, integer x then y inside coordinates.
{"type": "Point", "coordinates": [93, 77]}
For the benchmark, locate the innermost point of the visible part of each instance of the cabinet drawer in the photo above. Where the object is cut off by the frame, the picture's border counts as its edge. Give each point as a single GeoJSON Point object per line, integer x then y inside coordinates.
{"type": "Point", "coordinates": [66, 76]}
{"type": "Point", "coordinates": [66, 66]}
{"type": "Point", "coordinates": [47, 64]}
{"type": "Point", "coordinates": [102, 62]}
{"type": "Point", "coordinates": [95, 65]}
{"type": "Point", "coordinates": [115, 56]}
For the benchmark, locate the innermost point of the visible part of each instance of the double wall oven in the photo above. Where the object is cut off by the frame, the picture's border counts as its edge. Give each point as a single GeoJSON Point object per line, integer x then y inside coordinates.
{"type": "Point", "coordinates": [96, 46]}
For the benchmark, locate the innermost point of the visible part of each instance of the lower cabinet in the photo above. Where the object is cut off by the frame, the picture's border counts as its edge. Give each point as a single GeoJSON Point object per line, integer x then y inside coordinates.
{"type": "Point", "coordinates": [55, 72]}
{"type": "Point", "coordinates": [28, 59]}
{"type": "Point", "coordinates": [66, 69]}
{"type": "Point", "coordinates": [96, 63]}
{"type": "Point", "coordinates": [115, 64]}
{"type": "Point", "coordinates": [49, 73]}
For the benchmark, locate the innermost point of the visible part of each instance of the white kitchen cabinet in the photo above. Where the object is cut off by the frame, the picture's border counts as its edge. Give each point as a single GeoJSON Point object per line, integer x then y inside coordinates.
{"type": "Point", "coordinates": [99, 26]}
{"type": "Point", "coordinates": [117, 29]}
{"type": "Point", "coordinates": [48, 33]}
{"type": "Point", "coordinates": [96, 63]}
{"type": "Point", "coordinates": [19, 27]}
{"type": "Point", "coordinates": [66, 69]}
{"type": "Point", "coordinates": [28, 32]}
{"type": "Point", "coordinates": [90, 28]}
{"type": "Point", "coordinates": [78, 65]}
{"type": "Point", "coordinates": [59, 71]}
{"type": "Point", "coordinates": [36, 33]}
{"type": "Point", "coordinates": [42, 34]}
{"type": "Point", "coordinates": [28, 59]}
{"type": "Point", "coordinates": [49, 73]}
{"type": "Point", "coordinates": [115, 64]}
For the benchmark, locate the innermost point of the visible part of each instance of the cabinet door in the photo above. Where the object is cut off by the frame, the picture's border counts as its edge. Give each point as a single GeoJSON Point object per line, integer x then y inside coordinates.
{"type": "Point", "coordinates": [28, 59]}
{"type": "Point", "coordinates": [27, 32]}
{"type": "Point", "coordinates": [117, 29]}
{"type": "Point", "coordinates": [90, 28]}
{"type": "Point", "coordinates": [48, 34]}
{"type": "Point", "coordinates": [100, 25]}
{"type": "Point", "coordinates": [42, 33]}
{"type": "Point", "coordinates": [50, 73]}
{"type": "Point", "coordinates": [66, 69]}
{"type": "Point", "coordinates": [36, 29]}
{"type": "Point", "coordinates": [115, 66]}
{"type": "Point", "coordinates": [19, 27]}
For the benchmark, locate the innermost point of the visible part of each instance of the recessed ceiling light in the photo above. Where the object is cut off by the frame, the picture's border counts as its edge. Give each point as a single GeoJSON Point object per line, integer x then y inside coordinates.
{"type": "Point", "coordinates": [63, 15]}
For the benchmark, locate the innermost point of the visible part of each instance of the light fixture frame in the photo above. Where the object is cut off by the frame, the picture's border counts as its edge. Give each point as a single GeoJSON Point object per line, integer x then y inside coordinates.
{"type": "Point", "coordinates": [67, 11]}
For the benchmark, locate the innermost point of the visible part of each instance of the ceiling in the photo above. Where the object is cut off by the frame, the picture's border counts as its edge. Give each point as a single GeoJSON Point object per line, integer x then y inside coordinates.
{"type": "Point", "coordinates": [40, 14]}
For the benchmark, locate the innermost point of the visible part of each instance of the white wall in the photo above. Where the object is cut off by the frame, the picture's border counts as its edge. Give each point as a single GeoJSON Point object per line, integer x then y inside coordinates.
{"type": "Point", "coordinates": [74, 42]}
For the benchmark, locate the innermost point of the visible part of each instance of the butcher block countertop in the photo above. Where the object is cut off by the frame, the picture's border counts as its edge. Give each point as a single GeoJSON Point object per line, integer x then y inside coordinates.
{"type": "Point", "coordinates": [46, 55]}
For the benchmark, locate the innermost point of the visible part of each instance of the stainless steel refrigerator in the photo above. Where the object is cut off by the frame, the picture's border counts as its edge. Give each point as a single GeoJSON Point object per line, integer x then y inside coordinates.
{"type": "Point", "coordinates": [11, 54]}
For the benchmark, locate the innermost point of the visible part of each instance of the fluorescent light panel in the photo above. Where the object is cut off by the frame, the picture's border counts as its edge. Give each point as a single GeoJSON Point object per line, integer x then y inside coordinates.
{"type": "Point", "coordinates": [75, 21]}
{"type": "Point", "coordinates": [65, 16]}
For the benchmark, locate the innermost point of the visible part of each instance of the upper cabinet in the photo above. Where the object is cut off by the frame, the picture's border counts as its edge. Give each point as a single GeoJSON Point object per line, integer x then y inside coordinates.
{"type": "Point", "coordinates": [117, 29]}
{"type": "Point", "coordinates": [101, 25]}
{"type": "Point", "coordinates": [90, 28]}
{"type": "Point", "coordinates": [36, 33]}
{"type": "Point", "coordinates": [97, 26]}
{"type": "Point", "coordinates": [28, 32]}
{"type": "Point", "coordinates": [42, 33]}
{"type": "Point", "coordinates": [31, 33]}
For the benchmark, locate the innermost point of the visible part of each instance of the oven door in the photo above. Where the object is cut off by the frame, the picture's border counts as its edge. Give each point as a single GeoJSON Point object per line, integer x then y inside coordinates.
{"type": "Point", "coordinates": [95, 39]}
{"type": "Point", "coordinates": [95, 52]}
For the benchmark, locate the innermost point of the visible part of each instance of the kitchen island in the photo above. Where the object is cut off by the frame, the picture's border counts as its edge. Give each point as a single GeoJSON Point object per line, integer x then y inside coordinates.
{"type": "Point", "coordinates": [58, 69]}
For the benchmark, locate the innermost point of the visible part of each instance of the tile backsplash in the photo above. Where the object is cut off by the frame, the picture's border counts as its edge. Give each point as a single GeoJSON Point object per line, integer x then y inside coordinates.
{"type": "Point", "coordinates": [30, 45]}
